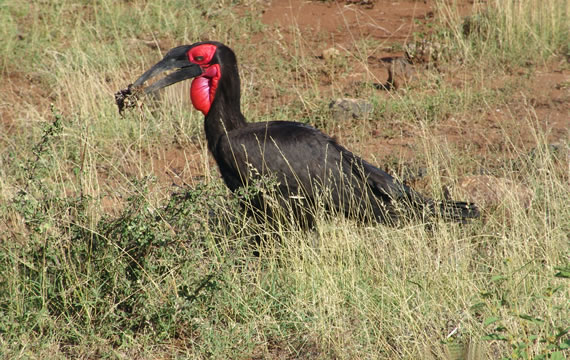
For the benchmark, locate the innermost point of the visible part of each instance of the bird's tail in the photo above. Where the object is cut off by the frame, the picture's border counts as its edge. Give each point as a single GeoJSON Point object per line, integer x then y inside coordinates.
{"type": "Point", "coordinates": [458, 211]}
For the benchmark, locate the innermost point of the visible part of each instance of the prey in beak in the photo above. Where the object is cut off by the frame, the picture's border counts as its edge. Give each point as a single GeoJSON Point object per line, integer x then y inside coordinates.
{"type": "Point", "coordinates": [176, 59]}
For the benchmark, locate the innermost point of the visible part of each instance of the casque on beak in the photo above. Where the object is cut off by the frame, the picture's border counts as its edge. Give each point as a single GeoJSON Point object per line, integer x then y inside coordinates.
{"type": "Point", "coordinates": [176, 58]}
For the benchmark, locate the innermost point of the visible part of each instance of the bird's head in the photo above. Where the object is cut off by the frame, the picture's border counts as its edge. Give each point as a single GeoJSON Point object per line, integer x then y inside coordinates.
{"type": "Point", "coordinates": [201, 61]}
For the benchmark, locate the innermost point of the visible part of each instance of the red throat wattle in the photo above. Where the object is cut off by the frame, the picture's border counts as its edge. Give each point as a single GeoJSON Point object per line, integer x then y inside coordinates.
{"type": "Point", "coordinates": [203, 88]}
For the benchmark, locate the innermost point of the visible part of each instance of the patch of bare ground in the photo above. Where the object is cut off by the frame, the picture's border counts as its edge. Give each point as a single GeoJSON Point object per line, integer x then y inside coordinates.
{"type": "Point", "coordinates": [171, 164]}
{"type": "Point", "coordinates": [540, 104]}
{"type": "Point", "coordinates": [348, 27]}
{"type": "Point", "coordinates": [20, 90]}
{"type": "Point", "coordinates": [342, 24]}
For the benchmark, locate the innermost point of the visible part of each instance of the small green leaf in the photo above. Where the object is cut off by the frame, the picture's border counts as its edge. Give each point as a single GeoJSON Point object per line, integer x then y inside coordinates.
{"type": "Point", "coordinates": [558, 355]}
{"type": "Point", "coordinates": [498, 278]}
{"type": "Point", "coordinates": [563, 272]}
{"type": "Point", "coordinates": [562, 332]}
{"type": "Point", "coordinates": [549, 291]}
{"type": "Point", "coordinates": [490, 320]}
{"type": "Point", "coordinates": [530, 318]}
{"type": "Point", "coordinates": [477, 306]}
{"type": "Point", "coordinates": [495, 337]}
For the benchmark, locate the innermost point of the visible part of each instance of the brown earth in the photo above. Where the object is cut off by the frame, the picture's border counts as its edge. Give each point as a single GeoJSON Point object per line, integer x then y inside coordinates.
{"type": "Point", "coordinates": [343, 23]}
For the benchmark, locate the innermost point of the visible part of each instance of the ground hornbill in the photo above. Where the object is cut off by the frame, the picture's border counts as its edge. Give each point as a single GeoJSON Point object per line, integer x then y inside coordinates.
{"type": "Point", "coordinates": [306, 168]}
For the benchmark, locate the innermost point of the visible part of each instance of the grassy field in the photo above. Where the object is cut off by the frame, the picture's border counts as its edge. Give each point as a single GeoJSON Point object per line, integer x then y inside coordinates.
{"type": "Point", "coordinates": [104, 255]}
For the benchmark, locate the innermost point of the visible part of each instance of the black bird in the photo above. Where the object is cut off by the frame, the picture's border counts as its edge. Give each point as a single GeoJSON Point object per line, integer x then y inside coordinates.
{"type": "Point", "coordinates": [306, 167]}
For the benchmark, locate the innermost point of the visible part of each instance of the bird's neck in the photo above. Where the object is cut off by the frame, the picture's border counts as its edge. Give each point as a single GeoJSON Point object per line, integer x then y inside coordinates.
{"type": "Point", "coordinates": [225, 112]}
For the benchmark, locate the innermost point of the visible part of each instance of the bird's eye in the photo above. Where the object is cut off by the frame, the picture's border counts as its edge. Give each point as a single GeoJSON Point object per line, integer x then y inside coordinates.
{"type": "Point", "coordinates": [199, 58]}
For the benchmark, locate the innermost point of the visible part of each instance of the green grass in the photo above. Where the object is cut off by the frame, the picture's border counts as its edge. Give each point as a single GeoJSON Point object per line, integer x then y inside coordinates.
{"type": "Point", "coordinates": [102, 258]}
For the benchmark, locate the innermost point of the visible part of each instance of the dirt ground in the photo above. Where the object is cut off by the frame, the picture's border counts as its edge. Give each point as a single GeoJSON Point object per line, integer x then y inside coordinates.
{"type": "Point", "coordinates": [395, 22]}
{"type": "Point", "coordinates": [344, 23]}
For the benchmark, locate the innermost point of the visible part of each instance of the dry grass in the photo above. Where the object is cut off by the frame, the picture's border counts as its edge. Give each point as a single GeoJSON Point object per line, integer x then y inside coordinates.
{"type": "Point", "coordinates": [100, 257]}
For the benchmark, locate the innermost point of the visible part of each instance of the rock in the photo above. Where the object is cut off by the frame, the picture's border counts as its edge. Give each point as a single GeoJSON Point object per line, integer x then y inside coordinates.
{"type": "Point", "coordinates": [344, 108]}
{"type": "Point", "coordinates": [368, 4]}
{"type": "Point", "coordinates": [330, 54]}
{"type": "Point", "coordinates": [488, 191]}
{"type": "Point", "coordinates": [423, 51]}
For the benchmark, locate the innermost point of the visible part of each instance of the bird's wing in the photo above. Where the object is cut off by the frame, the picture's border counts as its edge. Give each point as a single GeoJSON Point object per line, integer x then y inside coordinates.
{"type": "Point", "coordinates": [300, 156]}
{"type": "Point", "coordinates": [292, 153]}
{"type": "Point", "coordinates": [381, 183]}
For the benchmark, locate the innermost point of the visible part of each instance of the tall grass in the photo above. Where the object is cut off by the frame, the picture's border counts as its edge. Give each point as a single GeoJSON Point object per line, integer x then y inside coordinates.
{"type": "Point", "coordinates": [510, 32]}
{"type": "Point", "coordinates": [100, 258]}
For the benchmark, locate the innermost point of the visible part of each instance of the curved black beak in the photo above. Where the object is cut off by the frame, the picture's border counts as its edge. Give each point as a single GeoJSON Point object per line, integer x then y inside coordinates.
{"type": "Point", "coordinates": [174, 59]}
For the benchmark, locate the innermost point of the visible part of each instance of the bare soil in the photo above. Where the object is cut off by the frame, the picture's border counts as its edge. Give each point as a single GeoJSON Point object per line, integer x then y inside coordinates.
{"type": "Point", "coordinates": [394, 23]}
{"type": "Point", "coordinates": [16, 89]}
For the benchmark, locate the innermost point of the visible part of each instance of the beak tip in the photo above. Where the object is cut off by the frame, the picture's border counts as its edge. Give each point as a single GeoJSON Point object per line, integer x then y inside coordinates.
{"type": "Point", "coordinates": [137, 83]}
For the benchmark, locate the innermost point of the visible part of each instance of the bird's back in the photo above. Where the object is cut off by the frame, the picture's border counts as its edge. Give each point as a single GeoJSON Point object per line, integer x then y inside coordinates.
{"type": "Point", "coordinates": [305, 162]}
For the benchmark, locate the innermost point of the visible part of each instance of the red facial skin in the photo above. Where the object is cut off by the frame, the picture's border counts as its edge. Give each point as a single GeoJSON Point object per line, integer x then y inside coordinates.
{"type": "Point", "coordinates": [203, 88]}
